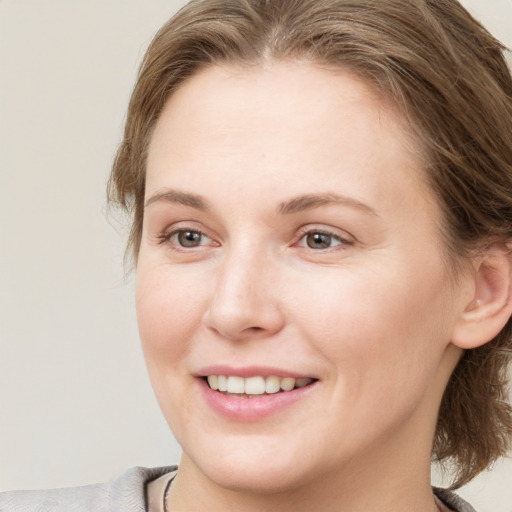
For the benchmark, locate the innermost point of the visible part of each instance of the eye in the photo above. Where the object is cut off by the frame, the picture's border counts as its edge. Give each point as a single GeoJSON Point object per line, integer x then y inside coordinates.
{"type": "Point", "coordinates": [316, 239]}
{"type": "Point", "coordinates": [188, 238]}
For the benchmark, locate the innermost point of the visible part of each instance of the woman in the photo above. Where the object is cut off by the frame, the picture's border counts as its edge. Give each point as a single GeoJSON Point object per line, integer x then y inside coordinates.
{"type": "Point", "coordinates": [322, 207]}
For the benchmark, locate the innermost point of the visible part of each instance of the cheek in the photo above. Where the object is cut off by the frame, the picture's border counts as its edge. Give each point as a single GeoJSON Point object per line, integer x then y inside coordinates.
{"type": "Point", "coordinates": [379, 328]}
{"type": "Point", "coordinates": [169, 308]}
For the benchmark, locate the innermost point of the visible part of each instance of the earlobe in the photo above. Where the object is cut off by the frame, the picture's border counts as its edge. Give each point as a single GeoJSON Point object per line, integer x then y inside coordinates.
{"type": "Point", "coordinates": [490, 307]}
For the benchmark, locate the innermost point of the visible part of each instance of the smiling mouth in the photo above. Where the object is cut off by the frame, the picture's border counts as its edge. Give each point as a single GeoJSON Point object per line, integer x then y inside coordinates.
{"type": "Point", "coordinates": [252, 387]}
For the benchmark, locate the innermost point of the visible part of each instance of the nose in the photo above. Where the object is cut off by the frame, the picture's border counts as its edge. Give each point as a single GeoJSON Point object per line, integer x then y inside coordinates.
{"type": "Point", "coordinates": [245, 303]}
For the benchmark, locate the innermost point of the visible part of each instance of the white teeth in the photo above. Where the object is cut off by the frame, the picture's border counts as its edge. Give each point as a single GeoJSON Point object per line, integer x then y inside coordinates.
{"type": "Point", "coordinates": [236, 384]}
{"type": "Point", "coordinates": [222, 383]}
{"type": "Point", "coordinates": [213, 381]}
{"type": "Point", "coordinates": [255, 385]}
{"type": "Point", "coordinates": [272, 385]}
{"type": "Point", "coordinates": [287, 384]}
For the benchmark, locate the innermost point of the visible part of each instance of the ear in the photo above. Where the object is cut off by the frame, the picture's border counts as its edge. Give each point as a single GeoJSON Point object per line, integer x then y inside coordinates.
{"type": "Point", "coordinates": [490, 306]}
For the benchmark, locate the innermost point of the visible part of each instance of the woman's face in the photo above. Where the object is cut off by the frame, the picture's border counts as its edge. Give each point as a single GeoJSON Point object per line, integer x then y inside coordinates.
{"type": "Point", "coordinates": [288, 235]}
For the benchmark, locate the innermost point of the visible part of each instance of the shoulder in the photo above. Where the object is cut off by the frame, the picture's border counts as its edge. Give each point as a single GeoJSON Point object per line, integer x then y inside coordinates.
{"type": "Point", "coordinates": [453, 501]}
{"type": "Point", "coordinates": [125, 494]}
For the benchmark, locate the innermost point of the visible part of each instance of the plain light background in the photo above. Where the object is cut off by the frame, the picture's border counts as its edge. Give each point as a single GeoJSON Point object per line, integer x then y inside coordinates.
{"type": "Point", "coordinates": [76, 406]}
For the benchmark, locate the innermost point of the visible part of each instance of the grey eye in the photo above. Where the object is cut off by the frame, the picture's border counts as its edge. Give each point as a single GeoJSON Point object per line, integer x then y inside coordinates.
{"type": "Point", "coordinates": [320, 240]}
{"type": "Point", "coordinates": [316, 240]}
{"type": "Point", "coordinates": [187, 238]}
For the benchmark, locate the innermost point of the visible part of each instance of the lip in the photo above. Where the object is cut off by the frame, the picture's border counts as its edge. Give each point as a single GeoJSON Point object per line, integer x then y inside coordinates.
{"type": "Point", "coordinates": [249, 371]}
{"type": "Point", "coordinates": [245, 409]}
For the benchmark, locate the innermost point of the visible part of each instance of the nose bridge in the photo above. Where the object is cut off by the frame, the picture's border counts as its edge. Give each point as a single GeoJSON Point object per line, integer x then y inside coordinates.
{"type": "Point", "coordinates": [242, 303]}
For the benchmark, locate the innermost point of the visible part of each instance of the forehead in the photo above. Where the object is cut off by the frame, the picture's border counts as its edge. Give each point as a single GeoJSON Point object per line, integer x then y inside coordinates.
{"type": "Point", "coordinates": [296, 120]}
{"type": "Point", "coordinates": [278, 91]}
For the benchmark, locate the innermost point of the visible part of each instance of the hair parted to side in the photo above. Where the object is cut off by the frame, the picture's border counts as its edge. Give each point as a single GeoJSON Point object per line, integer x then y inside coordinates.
{"type": "Point", "coordinates": [447, 75]}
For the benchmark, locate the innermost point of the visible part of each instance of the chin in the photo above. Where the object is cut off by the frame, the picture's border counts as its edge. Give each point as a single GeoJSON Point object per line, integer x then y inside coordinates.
{"type": "Point", "coordinates": [250, 466]}
{"type": "Point", "coordinates": [256, 479]}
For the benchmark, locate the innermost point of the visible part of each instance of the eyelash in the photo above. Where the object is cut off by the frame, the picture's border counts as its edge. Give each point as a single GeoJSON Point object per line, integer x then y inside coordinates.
{"type": "Point", "coordinates": [166, 238]}
{"type": "Point", "coordinates": [306, 231]}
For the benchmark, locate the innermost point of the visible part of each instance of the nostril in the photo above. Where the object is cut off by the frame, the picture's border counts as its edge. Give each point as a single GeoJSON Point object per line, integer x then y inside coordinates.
{"type": "Point", "coordinates": [239, 319]}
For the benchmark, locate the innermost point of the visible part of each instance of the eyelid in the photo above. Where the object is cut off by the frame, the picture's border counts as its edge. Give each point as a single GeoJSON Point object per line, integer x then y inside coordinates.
{"type": "Point", "coordinates": [344, 237]}
{"type": "Point", "coordinates": [165, 236]}
{"type": "Point", "coordinates": [203, 241]}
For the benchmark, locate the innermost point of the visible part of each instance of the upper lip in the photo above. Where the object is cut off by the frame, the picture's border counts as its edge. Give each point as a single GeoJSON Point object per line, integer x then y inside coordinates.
{"type": "Point", "coordinates": [250, 371]}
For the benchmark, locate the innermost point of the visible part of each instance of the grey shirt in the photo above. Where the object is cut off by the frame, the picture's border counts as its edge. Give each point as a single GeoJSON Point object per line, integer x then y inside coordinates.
{"type": "Point", "coordinates": [127, 493]}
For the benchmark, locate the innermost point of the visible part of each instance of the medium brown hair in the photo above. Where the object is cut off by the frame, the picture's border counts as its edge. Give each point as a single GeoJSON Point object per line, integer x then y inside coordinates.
{"type": "Point", "coordinates": [449, 78]}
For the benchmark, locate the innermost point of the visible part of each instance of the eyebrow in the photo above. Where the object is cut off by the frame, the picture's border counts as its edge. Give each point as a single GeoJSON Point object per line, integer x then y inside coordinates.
{"type": "Point", "coordinates": [176, 196]}
{"type": "Point", "coordinates": [309, 201]}
{"type": "Point", "coordinates": [294, 205]}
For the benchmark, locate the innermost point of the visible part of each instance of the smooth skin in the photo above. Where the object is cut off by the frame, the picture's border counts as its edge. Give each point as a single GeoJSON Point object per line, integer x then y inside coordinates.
{"type": "Point", "coordinates": [288, 224]}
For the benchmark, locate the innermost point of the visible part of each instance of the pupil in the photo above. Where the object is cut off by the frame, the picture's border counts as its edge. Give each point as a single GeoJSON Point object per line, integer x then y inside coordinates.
{"type": "Point", "coordinates": [318, 241]}
{"type": "Point", "coordinates": [189, 238]}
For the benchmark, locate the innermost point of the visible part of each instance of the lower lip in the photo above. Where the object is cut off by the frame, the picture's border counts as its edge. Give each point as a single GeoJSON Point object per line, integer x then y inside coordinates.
{"type": "Point", "coordinates": [251, 409]}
